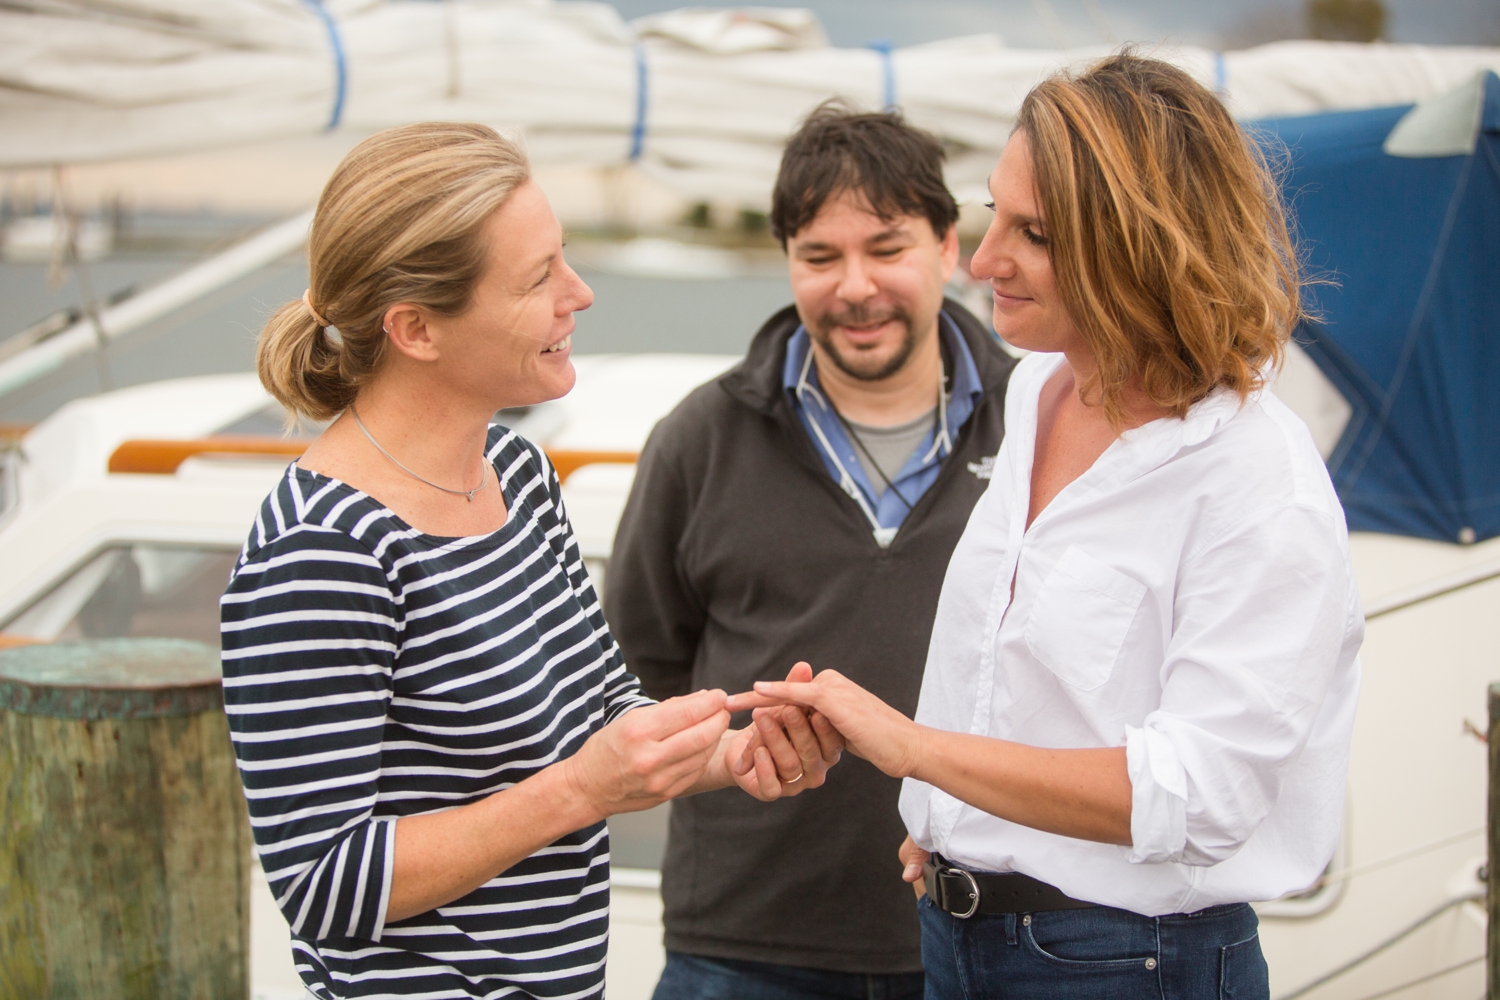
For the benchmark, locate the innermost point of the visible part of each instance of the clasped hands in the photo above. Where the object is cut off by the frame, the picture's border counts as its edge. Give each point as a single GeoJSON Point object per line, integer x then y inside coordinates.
{"type": "Point", "coordinates": [867, 726]}
{"type": "Point", "coordinates": [684, 745]}
{"type": "Point", "coordinates": [799, 729]}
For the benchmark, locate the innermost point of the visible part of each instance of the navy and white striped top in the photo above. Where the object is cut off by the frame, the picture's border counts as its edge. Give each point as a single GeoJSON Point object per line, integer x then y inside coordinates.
{"type": "Point", "coordinates": [373, 672]}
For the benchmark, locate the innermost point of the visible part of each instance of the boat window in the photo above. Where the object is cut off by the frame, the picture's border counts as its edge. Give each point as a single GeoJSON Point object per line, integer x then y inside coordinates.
{"type": "Point", "coordinates": [639, 839]}
{"type": "Point", "coordinates": [137, 590]}
{"type": "Point", "coordinates": [10, 475]}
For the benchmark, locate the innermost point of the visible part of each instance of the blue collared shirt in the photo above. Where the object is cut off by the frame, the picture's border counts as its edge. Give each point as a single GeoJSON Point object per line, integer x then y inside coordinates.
{"type": "Point", "coordinates": [885, 509]}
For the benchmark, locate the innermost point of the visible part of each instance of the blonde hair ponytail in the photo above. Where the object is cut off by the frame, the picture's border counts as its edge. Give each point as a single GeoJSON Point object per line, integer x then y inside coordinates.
{"type": "Point", "coordinates": [400, 220]}
{"type": "Point", "coordinates": [299, 366]}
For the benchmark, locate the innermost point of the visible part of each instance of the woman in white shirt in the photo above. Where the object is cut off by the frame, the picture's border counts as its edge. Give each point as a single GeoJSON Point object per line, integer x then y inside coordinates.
{"type": "Point", "coordinates": [1141, 683]}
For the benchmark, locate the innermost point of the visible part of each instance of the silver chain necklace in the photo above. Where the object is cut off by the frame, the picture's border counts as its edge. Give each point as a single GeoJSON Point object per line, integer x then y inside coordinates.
{"type": "Point", "coordinates": [468, 494]}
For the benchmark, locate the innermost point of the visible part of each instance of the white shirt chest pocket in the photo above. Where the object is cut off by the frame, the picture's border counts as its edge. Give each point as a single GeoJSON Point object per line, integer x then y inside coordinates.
{"type": "Point", "coordinates": [1080, 618]}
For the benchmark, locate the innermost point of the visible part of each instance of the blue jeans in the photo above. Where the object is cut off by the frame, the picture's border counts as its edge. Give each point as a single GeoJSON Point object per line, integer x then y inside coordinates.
{"type": "Point", "coordinates": [694, 977]}
{"type": "Point", "coordinates": [1094, 954]}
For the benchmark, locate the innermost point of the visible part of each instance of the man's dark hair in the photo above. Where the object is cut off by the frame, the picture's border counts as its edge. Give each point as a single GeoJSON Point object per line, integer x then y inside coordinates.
{"type": "Point", "coordinates": [896, 168]}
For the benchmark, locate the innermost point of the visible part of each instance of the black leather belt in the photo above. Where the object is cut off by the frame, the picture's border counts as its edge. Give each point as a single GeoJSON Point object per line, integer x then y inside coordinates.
{"type": "Point", "coordinates": [964, 893]}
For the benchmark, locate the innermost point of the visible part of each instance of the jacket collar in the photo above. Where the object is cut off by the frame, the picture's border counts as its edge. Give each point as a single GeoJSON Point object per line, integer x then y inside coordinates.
{"type": "Point", "coordinates": [757, 380]}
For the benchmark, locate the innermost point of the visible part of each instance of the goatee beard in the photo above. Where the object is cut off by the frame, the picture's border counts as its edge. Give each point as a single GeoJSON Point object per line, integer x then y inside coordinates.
{"type": "Point", "coordinates": [822, 332]}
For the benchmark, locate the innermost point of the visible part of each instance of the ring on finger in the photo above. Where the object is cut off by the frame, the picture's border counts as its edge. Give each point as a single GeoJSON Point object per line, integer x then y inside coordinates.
{"type": "Point", "coordinates": [796, 779]}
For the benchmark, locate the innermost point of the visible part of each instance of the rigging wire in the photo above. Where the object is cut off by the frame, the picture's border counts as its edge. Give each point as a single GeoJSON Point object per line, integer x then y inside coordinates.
{"type": "Point", "coordinates": [1382, 946]}
{"type": "Point", "coordinates": [1101, 22]}
{"type": "Point", "coordinates": [1048, 17]}
{"type": "Point", "coordinates": [1406, 855]}
{"type": "Point", "coordinates": [1423, 979]}
{"type": "Point", "coordinates": [72, 220]}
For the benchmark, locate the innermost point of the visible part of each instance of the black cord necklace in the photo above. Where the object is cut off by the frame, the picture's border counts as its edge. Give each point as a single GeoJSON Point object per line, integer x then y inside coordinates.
{"type": "Point", "coordinates": [853, 436]}
{"type": "Point", "coordinates": [858, 443]}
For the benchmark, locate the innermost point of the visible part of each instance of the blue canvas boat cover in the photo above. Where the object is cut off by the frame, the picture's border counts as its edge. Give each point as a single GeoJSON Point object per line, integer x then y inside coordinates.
{"type": "Point", "coordinates": [1409, 328]}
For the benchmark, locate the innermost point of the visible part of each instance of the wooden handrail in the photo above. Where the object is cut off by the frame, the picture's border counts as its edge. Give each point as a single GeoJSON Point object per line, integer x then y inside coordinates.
{"type": "Point", "coordinates": [162, 457]}
{"type": "Point", "coordinates": [568, 462]}
{"type": "Point", "coordinates": [11, 433]}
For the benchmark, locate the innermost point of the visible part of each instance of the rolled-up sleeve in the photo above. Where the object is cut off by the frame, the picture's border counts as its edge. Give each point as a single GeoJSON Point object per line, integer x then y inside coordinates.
{"type": "Point", "coordinates": [310, 629]}
{"type": "Point", "coordinates": [1260, 618]}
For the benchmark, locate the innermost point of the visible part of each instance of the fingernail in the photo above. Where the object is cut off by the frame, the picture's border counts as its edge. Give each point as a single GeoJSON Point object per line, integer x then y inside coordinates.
{"type": "Point", "coordinates": [913, 870]}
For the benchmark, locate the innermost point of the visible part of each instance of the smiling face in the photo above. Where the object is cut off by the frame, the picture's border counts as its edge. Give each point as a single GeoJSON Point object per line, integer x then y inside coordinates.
{"type": "Point", "coordinates": [869, 289]}
{"type": "Point", "coordinates": [1014, 258]}
{"type": "Point", "coordinates": [512, 345]}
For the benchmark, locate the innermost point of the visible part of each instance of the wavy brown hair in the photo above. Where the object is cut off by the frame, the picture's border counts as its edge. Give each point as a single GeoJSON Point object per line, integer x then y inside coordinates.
{"type": "Point", "coordinates": [1167, 233]}
{"type": "Point", "coordinates": [401, 220]}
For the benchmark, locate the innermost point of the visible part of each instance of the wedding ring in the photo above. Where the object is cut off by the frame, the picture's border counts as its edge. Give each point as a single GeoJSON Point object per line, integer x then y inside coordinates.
{"type": "Point", "coordinates": [796, 779]}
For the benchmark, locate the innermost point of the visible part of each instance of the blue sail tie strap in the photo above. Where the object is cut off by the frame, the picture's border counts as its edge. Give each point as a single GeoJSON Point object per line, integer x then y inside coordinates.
{"type": "Point", "coordinates": [340, 61]}
{"type": "Point", "coordinates": [888, 71]}
{"type": "Point", "coordinates": [638, 130]}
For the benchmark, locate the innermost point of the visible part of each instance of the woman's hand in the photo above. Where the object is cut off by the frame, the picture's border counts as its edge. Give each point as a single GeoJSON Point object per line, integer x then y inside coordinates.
{"type": "Point", "coordinates": [783, 752]}
{"type": "Point", "coordinates": [1085, 793]}
{"type": "Point", "coordinates": [650, 754]}
{"type": "Point", "coordinates": [870, 728]}
{"type": "Point", "coordinates": [913, 857]}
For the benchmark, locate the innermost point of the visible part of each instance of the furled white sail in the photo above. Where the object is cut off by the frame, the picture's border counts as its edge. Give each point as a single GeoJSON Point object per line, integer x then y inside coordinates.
{"type": "Point", "coordinates": [701, 99]}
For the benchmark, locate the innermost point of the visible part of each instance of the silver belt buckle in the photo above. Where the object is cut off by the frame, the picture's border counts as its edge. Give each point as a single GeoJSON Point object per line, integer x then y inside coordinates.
{"type": "Point", "coordinates": [974, 890]}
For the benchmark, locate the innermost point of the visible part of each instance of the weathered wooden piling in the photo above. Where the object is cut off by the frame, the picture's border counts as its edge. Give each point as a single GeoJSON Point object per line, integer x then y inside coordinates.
{"type": "Point", "coordinates": [1492, 866]}
{"type": "Point", "coordinates": [124, 851]}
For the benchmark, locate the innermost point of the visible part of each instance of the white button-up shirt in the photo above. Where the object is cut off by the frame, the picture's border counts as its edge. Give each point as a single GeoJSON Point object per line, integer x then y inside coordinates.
{"type": "Point", "coordinates": [1189, 598]}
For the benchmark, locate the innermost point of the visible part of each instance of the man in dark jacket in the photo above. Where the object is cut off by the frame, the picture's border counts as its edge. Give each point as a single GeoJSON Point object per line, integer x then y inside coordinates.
{"type": "Point", "coordinates": [804, 506]}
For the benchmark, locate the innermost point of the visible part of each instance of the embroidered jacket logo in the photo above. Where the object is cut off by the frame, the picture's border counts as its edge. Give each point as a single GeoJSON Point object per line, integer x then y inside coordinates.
{"type": "Point", "coordinates": [984, 468]}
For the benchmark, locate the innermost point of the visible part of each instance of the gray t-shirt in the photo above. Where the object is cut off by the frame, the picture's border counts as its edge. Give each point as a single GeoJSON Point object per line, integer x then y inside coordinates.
{"type": "Point", "coordinates": [889, 446]}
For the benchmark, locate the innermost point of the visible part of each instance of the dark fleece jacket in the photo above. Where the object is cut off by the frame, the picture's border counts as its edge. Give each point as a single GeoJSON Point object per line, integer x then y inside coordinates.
{"type": "Point", "coordinates": [737, 556]}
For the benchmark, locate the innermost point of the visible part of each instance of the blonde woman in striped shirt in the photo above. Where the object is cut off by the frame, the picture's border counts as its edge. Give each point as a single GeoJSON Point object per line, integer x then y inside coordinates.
{"type": "Point", "coordinates": [431, 717]}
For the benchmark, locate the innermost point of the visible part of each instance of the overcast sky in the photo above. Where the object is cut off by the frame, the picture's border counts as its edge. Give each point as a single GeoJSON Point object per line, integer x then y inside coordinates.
{"type": "Point", "coordinates": [1054, 23]}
